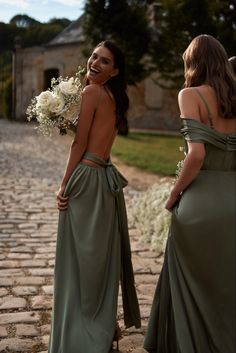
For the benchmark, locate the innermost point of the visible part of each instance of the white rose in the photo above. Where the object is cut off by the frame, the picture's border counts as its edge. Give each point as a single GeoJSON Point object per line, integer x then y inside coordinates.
{"type": "Point", "coordinates": [68, 87]}
{"type": "Point", "coordinates": [56, 104]}
{"type": "Point", "coordinates": [44, 99]}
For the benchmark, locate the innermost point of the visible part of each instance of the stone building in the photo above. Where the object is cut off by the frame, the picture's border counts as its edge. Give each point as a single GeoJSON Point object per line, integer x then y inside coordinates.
{"type": "Point", "coordinates": [151, 107]}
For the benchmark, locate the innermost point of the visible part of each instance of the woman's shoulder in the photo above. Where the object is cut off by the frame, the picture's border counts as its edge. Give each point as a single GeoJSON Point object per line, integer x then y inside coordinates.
{"type": "Point", "coordinates": [196, 94]}
{"type": "Point", "coordinates": [188, 103]}
{"type": "Point", "coordinates": [185, 92]}
{"type": "Point", "coordinates": [186, 95]}
{"type": "Point", "coordinates": [191, 91]}
{"type": "Point", "coordinates": [92, 94]}
{"type": "Point", "coordinates": [93, 89]}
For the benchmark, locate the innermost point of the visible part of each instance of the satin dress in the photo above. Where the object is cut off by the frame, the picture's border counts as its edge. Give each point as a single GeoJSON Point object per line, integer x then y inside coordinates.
{"type": "Point", "coordinates": [92, 257]}
{"type": "Point", "coordinates": [194, 308]}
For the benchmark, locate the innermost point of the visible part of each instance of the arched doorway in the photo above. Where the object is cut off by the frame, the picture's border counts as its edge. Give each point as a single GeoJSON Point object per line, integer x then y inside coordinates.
{"type": "Point", "coordinates": [48, 75]}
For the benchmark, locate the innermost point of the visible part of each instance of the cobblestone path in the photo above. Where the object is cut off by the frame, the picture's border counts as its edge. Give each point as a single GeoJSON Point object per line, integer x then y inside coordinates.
{"type": "Point", "coordinates": [31, 168]}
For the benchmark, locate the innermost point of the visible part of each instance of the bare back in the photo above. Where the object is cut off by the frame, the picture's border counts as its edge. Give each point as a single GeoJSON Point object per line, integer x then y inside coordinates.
{"type": "Point", "coordinates": [96, 129]}
{"type": "Point", "coordinates": [103, 129]}
{"type": "Point", "coordinates": [207, 105]}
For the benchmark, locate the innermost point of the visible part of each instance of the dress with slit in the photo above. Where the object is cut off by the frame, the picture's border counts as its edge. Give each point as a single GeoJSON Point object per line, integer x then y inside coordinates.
{"type": "Point", "coordinates": [92, 256]}
{"type": "Point", "coordinates": [194, 309]}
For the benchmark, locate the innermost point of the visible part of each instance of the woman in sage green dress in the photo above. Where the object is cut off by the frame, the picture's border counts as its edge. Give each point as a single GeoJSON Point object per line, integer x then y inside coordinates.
{"type": "Point", "coordinates": [193, 309]}
{"type": "Point", "coordinates": [93, 250]}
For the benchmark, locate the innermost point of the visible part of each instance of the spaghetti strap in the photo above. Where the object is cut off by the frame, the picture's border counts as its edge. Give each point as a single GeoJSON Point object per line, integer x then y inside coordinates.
{"type": "Point", "coordinates": [206, 105]}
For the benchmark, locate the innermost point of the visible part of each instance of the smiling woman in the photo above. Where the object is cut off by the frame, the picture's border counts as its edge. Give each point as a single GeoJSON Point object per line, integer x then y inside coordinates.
{"type": "Point", "coordinates": [101, 66]}
{"type": "Point", "coordinates": [93, 250]}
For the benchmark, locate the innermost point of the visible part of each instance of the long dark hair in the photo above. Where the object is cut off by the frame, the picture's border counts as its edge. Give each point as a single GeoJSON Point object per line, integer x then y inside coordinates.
{"type": "Point", "coordinates": [232, 61]}
{"type": "Point", "coordinates": [118, 85]}
{"type": "Point", "coordinates": [206, 62]}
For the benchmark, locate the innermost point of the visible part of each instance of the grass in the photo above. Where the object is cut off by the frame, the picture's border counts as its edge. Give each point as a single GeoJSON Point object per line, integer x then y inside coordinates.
{"type": "Point", "coordinates": [150, 152]}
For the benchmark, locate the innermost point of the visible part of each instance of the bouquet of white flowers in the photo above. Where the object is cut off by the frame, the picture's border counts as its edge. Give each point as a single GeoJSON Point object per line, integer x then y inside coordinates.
{"type": "Point", "coordinates": [148, 214]}
{"type": "Point", "coordinates": [59, 105]}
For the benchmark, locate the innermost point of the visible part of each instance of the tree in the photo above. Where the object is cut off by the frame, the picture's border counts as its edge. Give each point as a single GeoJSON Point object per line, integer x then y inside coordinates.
{"type": "Point", "coordinates": [177, 23]}
{"type": "Point", "coordinates": [7, 34]}
{"type": "Point", "coordinates": [63, 22]}
{"type": "Point", "coordinates": [126, 23]}
{"type": "Point", "coordinates": [223, 14]}
{"type": "Point", "coordinates": [41, 33]}
{"type": "Point", "coordinates": [30, 31]}
{"type": "Point", "coordinates": [23, 21]}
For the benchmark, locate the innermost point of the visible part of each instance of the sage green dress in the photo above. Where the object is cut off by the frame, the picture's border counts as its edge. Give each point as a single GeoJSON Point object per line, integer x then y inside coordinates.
{"type": "Point", "coordinates": [194, 307]}
{"type": "Point", "coordinates": [92, 256]}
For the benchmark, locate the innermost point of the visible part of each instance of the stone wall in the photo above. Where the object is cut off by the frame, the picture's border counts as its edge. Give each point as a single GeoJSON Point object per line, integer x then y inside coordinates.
{"type": "Point", "coordinates": [153, 107]}
{"type": "Point", "coordinates": [29, 67]}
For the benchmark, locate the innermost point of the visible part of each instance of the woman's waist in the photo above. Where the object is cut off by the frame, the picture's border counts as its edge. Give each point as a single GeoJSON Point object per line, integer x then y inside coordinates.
{"type": "Point", "coordinates": [213, 183]}
{"type": "Point", "coordinates": [115, 179]}
{"type": "Point", "coordinates": [90, 163]}
{"type": "Point", "coordinates": [217, 178]}
{"type": "Point", "coordinates": [219, 160]}
{"type": "Point", "coordinates": [218, 169]}
{"type": "Point", "coordinates": [95, 160]}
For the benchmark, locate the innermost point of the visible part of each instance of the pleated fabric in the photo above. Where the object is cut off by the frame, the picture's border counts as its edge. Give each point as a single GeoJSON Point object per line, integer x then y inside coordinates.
{"type": "Point", "coordinates": [92, 256]}
{"type": "Point", "coordinates": [194, 306]}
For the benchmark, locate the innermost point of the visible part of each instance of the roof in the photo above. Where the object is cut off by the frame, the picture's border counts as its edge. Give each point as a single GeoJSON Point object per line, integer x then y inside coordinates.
{"type": "Point", "coordinates": [71, 34]}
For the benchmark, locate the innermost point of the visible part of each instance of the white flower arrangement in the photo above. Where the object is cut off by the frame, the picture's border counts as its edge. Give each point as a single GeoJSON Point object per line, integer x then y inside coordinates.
{"type": "Point", "coordinates": [180, 164]}
{"type": "Point", "coordinates": [59, 105]}
{"type": "Point", "coordinates": [148, 214]}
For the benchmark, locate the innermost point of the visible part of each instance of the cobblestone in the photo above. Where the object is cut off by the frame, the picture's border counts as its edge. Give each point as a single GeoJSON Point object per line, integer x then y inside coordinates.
{"type": "Point", "coordinates": [26, 330]}
{"type": "Point", "coordinates": [25, 316]}
{"type": "Point", "coordinates": [17, 345]}
{"type": "Point", "coordinates": [10, 302]}
{"type": "Point", "coordinates": [3, 332]}
{"type": "Point", "coordinates": [31, 168]}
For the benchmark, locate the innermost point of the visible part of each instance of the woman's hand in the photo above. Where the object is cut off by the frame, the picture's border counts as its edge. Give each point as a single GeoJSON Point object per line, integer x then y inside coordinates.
{"type": "Point", "coordinates": [172, 200]}
{"type": "Point", "coordinates": [62, 202]}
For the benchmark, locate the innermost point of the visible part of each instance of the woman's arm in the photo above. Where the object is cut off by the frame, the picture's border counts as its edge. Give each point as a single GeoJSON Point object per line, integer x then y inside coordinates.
{"type": "Point", "coordinates": [191, 166]}
{"type": "Point", "coordinates": [90, 98]}
{"type": "Point", "coordinates": [196, 150]}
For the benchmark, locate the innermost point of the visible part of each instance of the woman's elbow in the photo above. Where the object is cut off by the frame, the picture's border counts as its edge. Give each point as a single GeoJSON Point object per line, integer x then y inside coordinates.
{"type": "Point", "coordinates": [197, 157]}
